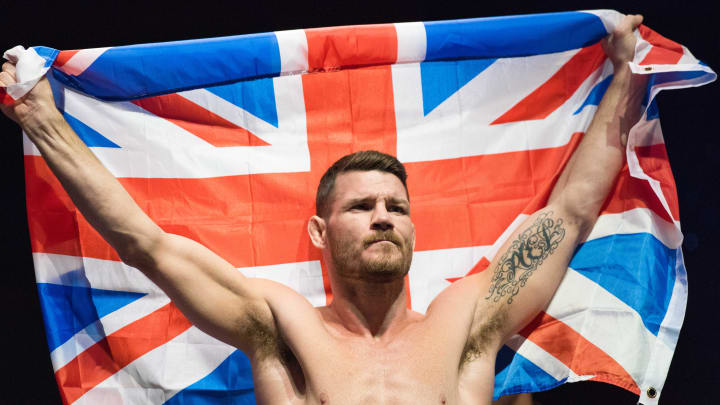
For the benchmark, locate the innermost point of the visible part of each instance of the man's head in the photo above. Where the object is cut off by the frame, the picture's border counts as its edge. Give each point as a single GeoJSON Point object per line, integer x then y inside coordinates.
{"type": "Point", "coordinates": [363, 161]}
{"type": "Point", "coordinates": [363, 220]}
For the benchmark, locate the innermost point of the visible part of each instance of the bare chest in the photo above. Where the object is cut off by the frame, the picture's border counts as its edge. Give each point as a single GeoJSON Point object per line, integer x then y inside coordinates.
{"type": "Point", "coordinates": [412, 369]}
{"type": "Point", "coordinates": [404, 371]}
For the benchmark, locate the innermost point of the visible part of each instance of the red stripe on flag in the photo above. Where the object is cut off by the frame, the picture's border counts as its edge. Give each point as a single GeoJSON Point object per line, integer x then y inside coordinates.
{"type": "Point", "coordinates": [349, 110]}
{"type": "Point", "coordinates": [63, 57]}
{"type": "Point", "coordinates": [332, 48]}
{"type": "Point", "coordinates": [630, 192]}
{"type": "Point", "coordinates": [470, 201]}
{"type": "Point", "coordinates": [251, 227]}
{"type": "Point", "coordinates": [202, 123]}
{"type": "Point", "coordinates": [663, 51]}
{"type": "Point", "coordinates": [111, 354]}
{"type": "Point", "coordinates": [563, 342]}
{"type": "Point", "coordinates": [5, 97]}
{"type": "Point", "coordinates": [558, 89]}
{"type": "Point", "coordinates": [656, 164]}
{"type": "Point", "coordinates": [484, 193]}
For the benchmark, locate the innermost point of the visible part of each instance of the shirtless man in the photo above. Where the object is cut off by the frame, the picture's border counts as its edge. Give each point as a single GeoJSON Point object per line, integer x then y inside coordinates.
{"type": "Point", "coordinates": [366, 347]}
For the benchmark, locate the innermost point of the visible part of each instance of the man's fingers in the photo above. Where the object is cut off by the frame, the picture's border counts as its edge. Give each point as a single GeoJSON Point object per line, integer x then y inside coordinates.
{"type": "Point", "coordinates": [636, 20]}
{"type": "Point", "coordinates": [6, 78]}
{"type": "Point", "coordinates": [9, 67]}
{"type": "Point", "coordinates": [629, 23]}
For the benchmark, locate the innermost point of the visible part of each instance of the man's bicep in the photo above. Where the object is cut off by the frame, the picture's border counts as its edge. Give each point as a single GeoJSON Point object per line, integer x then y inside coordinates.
{"type": "Point", "coordinates": [527, 270]}
{"type": "Point", "coordinates": [212, 294]}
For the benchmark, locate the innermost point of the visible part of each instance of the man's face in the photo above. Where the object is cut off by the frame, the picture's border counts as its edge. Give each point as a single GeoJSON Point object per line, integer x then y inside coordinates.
{"type": "Point", "coordinates": [369, 231]}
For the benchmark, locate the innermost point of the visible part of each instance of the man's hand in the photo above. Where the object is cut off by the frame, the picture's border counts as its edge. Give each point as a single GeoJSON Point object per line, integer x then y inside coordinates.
{"type": "Point", "coordinates": [619, 46]}
{"type": "Point", "coordinates": [32, 109]}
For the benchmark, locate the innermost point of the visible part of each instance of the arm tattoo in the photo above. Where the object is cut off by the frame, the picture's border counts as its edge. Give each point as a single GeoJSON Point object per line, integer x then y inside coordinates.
{"type": "Point", "coordinates": [526, 253]}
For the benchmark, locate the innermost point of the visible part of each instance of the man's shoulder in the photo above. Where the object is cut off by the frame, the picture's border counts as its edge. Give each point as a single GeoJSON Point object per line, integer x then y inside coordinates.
{"type": "Point", "coordinates": [462, 294]}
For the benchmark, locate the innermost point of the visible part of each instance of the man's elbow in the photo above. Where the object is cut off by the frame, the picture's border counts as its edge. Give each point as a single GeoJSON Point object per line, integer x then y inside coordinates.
{"type": "Point", "coordinates": [583, 222]}
{"type": "Point", "coordinates": [140, 252]}
{"type": "Point", "coordinates": [580, 210]}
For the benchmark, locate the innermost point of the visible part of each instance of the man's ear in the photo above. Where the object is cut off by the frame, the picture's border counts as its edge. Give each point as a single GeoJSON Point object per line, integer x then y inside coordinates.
{"type": "Point", "coordinates": [317, 229]}
{"type": "Point", "coordinates": [413, 238]}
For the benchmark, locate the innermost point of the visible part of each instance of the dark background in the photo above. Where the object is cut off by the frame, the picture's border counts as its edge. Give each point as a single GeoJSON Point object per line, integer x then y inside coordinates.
{"type": "Point", "coordinates": [687, 121]}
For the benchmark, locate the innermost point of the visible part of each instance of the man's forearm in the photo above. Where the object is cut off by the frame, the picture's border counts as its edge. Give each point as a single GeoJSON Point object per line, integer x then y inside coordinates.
{"type": "Point", "coordinates": [590, 173]}
{"type": "Point", "coordinates": [95, 191]}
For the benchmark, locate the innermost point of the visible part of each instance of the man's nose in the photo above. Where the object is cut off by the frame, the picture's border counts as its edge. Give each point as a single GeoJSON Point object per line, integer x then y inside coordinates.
{"type": "Point", "coordinates": [381, 220]}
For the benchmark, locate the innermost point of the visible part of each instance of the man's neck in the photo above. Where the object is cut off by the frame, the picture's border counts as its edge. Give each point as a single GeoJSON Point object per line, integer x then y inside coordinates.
{"type": "Point", "coordinates": [373, 309]}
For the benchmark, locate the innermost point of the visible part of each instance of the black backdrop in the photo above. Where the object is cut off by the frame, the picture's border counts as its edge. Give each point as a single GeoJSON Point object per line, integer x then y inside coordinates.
{"type": "Point", "coordinates": [690, 133]}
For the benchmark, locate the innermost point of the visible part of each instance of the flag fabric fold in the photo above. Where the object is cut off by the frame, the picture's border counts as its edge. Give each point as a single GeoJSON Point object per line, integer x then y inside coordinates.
{"type": "Point", "coordinates": [224, 141]}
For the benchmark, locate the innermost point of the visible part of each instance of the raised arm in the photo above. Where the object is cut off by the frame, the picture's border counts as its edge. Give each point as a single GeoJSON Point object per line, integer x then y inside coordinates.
{"type": "Point", "coordinates": [526, 272]}
{"type": "Point", "coordinates": [207, 289]}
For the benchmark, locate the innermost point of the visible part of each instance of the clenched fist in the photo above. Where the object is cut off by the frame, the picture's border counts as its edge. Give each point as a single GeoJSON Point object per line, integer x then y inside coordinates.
{"type": "Point", "coordinates": [619, 46]}
{"type": "Point", "coordinates": [33, 109]}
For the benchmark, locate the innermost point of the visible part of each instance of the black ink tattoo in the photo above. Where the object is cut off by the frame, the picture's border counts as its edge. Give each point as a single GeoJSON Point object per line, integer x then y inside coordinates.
{"type": "Point", "coordinates": [526, 253]}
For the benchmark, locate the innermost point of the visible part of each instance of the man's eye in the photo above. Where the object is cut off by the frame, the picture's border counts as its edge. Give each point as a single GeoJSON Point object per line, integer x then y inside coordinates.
{"type": "Point", "coordinates": [361, 207]}
{"type": "Point", "coordinates": [398, 209]}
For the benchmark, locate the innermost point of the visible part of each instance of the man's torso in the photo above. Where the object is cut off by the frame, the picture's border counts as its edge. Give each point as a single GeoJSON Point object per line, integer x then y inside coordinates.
{"type": "Point", "coordinates": [319, 362]}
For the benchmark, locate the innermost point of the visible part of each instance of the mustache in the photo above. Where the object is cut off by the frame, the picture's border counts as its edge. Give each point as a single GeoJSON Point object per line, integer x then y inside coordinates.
{"type": "Point", "coordinates": [389, 236]}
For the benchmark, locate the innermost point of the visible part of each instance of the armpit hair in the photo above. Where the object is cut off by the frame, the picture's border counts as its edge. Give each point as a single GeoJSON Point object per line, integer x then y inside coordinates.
{"type": "Point", "coordinates": [264, 334]}
{"type": "Point", "coordinates": [480, 339]}
{"type": "Point", "coordinates": [260, 330]}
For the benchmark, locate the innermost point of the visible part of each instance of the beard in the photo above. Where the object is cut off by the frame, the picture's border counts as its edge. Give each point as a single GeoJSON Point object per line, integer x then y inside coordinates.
{"type": "Point", "coordinates": [390, 263]}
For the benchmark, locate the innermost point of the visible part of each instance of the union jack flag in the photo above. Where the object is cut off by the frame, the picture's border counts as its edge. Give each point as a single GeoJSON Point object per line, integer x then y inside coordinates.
{"type": "Point", "coordinates": [224, 141]}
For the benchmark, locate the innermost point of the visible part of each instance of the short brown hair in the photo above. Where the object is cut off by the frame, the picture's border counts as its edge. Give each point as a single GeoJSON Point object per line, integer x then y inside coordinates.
{"type": "Point", "coordinates": [363, 161]}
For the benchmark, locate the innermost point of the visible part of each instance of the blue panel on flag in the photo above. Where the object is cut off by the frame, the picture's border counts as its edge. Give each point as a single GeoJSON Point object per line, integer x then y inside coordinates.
{"type": "Point", "coordinates": [596, 94]}
{"type": "Point", "coordinates": [628, 266]}
{"type": "Point", "coordinates": [88, 135]}
{"type": "Point", "coordinates": [668, 77]}
{"type": "Point", "coordinates": [230, 383]}
{"type": "Point", "coordinates": [512, 36]}
{"type": "Point", "coordinates": [255, 96]}
{"type": "Point", "coordinates": [652, 111]}
{"type": "Point", "coordinates": [48, 53]}
{"type": "Point", "coordinates": [514, 374]}
{"type": "Point", "coordinates": [130, 72]}
{"type": "Point", "coordinates": [441, 80]}
{"type": "Point", "coordinates": [69, 309]}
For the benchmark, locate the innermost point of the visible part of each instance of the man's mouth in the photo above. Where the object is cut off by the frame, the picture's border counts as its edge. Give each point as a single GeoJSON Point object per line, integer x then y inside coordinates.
{"type": "Point", "coordinates": [392, 238]}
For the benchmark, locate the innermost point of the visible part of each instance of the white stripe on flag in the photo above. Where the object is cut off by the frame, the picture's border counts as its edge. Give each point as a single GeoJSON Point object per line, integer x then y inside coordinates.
{"type": "Point", "coordinates": [657, 367]}
{"type": "Point", "coordinates": [642, 48]}
{"type": "Point", "coordinates": [598, 315]}
{"type": "Point", "coordinates": [412, 42]}
{"type": "Point", "coordinates": [293, 51]}
{"type": "Point", "coordinates": [88, 272]}
{"type": "Point", "coordinates": [291, 132]}
{"type": "Point", "coordinates": [151, 146]}
{"type": "Point", "coordinates": [538, 356]}
{"type": "Point", "coordinates": [303, 277]}
{"type": "Point", "coordinates": [81, 61]}
{"type": "Point", "coordinates": [169, 369]}
{"type": "Point", "coordinates": [106, 326]}
{"type": "Point", "coordinates": [636, 221]}
{"type": "Point", "coordinates": [460, 126]}
{"type": "Point", "coordinates": [609, 18]}
{"type": "Point", "coordinates": [687, 58]}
